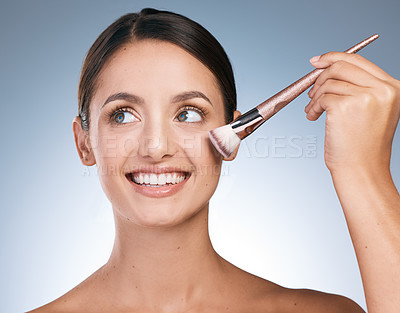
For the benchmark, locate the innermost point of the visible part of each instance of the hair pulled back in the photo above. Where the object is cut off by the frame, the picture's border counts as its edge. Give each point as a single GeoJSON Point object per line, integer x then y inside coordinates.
{"type": "Point", "coordinates": [159, 25]}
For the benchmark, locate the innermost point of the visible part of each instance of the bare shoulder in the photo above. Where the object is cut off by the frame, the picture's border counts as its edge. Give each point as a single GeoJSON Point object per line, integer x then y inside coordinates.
{"type": "Point", "coordinates": [63, 304]}
{"type": "Point", "coordinates": [74, 300]}
{"type": "Point", "coordinates": [255, 294]}
{"type": "Point", "coordinates": [266, 296]}
{"type": "Point", "coordinates": [55, 306]}
{"type": "Point", "coordinates": [312, 301]}
{"type": "Point", "coordinates": [48, 308]}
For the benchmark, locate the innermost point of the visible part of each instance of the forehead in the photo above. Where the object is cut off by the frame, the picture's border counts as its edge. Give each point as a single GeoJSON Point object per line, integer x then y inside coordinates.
{"type": "Point", "coordinates": [151, 67]}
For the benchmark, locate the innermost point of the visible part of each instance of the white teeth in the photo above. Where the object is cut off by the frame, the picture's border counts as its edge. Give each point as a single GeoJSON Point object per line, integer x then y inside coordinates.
{"type": "Point", "coordinates": [152, 179]}
{"type": "Point", "coordinates": [162, 179]}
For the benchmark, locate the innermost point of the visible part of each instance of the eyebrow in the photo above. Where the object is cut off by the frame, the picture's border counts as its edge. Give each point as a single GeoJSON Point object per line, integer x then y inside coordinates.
{"type": "Point", "coordinates": [190, 95]}
{"type": "Point", "coordinates": [184, 96]}
{"type": "Point", "coordinates": [124, 96]}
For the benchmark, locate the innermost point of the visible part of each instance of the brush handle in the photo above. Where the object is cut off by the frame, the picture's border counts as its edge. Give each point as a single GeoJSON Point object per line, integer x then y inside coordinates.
{"type": "Point", "coordinates": [274, 104]}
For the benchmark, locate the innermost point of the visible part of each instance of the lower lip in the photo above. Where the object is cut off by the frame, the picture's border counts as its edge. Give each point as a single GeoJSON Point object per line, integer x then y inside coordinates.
{"type": "Point", "coordinates": [159, 192]}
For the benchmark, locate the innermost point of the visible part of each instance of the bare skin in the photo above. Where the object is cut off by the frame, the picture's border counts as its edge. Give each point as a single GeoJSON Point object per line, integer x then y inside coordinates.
{"type": "Point", "coordinates": [163, 259]}
{"type": "Point", "coordinates": [362, 103]}
{"type": "Point", "coordinates": [169, 286]}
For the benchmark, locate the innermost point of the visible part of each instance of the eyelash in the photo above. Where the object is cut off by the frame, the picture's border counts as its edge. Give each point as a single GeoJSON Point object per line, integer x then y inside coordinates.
{"type": "Point", "coordinates": [203, 112]}
{"type": "Point", "coordinates": [111, 115]}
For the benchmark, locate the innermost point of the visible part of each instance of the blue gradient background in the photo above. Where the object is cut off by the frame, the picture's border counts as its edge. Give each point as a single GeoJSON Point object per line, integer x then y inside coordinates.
{"type": "Point", "coordinates": [275, 212]}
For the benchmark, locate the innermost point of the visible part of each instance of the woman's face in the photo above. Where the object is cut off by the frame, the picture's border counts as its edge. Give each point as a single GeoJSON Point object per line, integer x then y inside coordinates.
{"type": "Point", "coordinates": [149, 120]}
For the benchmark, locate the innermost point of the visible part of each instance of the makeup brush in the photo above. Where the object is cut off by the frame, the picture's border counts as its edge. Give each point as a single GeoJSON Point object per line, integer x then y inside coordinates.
{"type": "Point", "coordinates": [226, 138]}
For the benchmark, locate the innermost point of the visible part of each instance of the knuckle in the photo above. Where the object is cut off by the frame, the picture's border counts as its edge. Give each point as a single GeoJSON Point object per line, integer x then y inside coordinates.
{"type": "Point", "coordinates": [313, 110]}
{"type": "Point", "coordinates": [322, 98]}
{"type": "Point", "coordinates": [354, 57]}
{"type": "Point", "coordinates": [345, 106]}
{"type": "Point", "coordinates": [388, 93]}
{"type": "Point", "coordinates": [338, 67]}
{"type": "Point", "coordinates": [329, 55]}
{"type": "Point", "coordinates": [324, 57]}
{"type": "Point", "coordinates": [325, 84]}
{"type": "Point", "coordinates": [318, 91]}
{"type": "Point", "coordinates": [319, 83]}
{"type": "Point", "coordinates": [331, 83]}
{"type": "Point", "coordinates": [367, 99]}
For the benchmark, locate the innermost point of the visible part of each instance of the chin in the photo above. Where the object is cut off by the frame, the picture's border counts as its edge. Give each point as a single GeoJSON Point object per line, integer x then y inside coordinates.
{"type": "Point", "coordinates": [166, 201]}
{"type": "Point", "coordinates": [159, 215]}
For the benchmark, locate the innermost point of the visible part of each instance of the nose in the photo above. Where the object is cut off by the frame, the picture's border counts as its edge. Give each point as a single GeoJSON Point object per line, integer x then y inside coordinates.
{"type": "Point", "coordinates": [157, 140]}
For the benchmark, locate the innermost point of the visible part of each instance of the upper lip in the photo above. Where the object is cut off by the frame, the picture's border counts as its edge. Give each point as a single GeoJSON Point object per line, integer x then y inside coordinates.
{"type": "Point", "coordinates": [160, 169]}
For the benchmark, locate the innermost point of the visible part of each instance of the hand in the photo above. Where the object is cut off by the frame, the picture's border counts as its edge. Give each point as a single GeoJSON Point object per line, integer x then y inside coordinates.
{"type": "Point", "coordinates": [362, 104]}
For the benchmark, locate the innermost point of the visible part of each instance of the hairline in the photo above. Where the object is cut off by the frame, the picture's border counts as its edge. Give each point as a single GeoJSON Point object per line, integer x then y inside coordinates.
{"type": "Point", "coordinates": [133, 40]}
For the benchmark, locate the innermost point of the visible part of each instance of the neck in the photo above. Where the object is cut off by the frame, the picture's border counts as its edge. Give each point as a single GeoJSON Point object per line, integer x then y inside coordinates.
{"type": "Point", "coordinates": [163, 265]}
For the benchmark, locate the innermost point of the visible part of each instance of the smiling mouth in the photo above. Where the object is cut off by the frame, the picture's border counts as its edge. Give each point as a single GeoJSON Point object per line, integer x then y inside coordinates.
{"type": "Point", "coordinates": [158, 180]}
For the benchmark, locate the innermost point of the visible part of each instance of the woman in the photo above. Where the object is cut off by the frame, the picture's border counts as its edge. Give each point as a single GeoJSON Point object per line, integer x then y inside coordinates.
{"type": "Point", "coordinates": [153, 84]}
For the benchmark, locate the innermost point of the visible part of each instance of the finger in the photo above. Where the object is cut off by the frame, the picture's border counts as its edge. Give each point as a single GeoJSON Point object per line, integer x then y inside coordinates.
{"type": "Point", "coordinates": [322, 104]}
{"type": "Point", "coordinates": [337, 87]}
{"type": "Point", "coordinates": [333, 86]}
{"type": "Point", "coordinates": [347, 72]}
{"type": "Point", "coordinates": [329, 58]}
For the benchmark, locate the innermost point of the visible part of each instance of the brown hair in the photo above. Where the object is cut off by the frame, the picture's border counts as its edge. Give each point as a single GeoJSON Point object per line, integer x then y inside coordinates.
{"type": "Point", "coordinates": [158, 25]}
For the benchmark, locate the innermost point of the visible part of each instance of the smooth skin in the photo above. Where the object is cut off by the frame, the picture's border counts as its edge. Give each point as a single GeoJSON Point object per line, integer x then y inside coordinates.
{"type": "Point", "coordinates": [362, 105]}
{"type": "Point", "coordinates": [163, 259]}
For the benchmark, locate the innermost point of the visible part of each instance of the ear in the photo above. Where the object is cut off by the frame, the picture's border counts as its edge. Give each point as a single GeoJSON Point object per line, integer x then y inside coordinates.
{"type": "Point", "coordinates": [236, 114]}
{"type": "Point", "coordinates": [82, 143]}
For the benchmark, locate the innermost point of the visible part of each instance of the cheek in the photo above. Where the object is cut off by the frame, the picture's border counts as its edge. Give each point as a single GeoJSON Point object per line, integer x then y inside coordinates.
{"type": "Point", "coordinates": [115, 145]}
{"type": "Point", "coordinates": [197, 145]}
{"type": "Point", "coordinates": [112, 151]}
{"type": "Point", "coordinates": [205, 158]}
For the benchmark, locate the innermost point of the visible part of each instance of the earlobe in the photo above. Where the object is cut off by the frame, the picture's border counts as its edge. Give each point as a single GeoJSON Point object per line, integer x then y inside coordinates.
{"type": "Point", "coordinates": [82, 143]}
{"type": "Point", "coordinates": [236, 114]}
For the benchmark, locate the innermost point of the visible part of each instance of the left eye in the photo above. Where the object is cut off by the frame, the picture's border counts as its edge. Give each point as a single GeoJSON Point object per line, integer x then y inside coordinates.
{"type": "Point", "coordinates": [124, 117]}
{"type": "Point", "coordinates": [189, 116]}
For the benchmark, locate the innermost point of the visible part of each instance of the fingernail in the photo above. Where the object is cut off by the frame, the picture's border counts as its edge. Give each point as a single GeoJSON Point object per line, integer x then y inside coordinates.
{"type": "Point", "coordinates": [315, 59]}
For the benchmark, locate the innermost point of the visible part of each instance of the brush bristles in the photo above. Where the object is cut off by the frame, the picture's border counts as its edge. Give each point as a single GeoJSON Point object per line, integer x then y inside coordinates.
{"type": "Point", "coordinates": [224, 140]}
